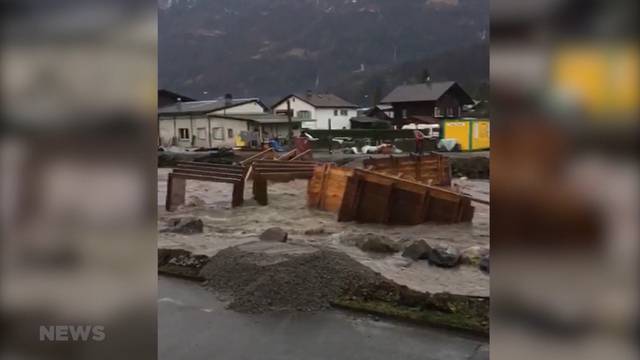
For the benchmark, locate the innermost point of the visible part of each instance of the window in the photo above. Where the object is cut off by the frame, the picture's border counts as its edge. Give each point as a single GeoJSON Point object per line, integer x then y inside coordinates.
{"type": "Point", "coordinates": [217, 133]}
{"type": "Point", "coordinates": [184, 134]}
{"type": "Point", "coordinates": [303, 114]}
{"type": "Point", "coordinates": [436, 112]}
{"type": "Point", "coordinates": [459, 111]}
{"type": "Point", "coordinates": [229, 133]}
{"type": "Point", "coordinates": [202, 133]}
{"type": "Point", "coordinates": [404, 113]}
{"type": "Point", "coordinates": [449, 112]}
{"type": "Point", "coordinates": [335, 112]}
{"type": "Point", "coordinates": [344, 112]}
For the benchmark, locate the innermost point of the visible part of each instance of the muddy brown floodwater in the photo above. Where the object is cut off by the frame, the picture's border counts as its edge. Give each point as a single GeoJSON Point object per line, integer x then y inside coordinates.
{"type": "Point", "coordinates": [225, 227]}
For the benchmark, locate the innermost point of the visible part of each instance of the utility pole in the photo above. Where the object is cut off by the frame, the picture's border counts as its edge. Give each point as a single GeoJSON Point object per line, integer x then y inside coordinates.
{"type": "Point", "coordinates": [290, 121]}
{"type": "Point", "coordinates": [330, 138]}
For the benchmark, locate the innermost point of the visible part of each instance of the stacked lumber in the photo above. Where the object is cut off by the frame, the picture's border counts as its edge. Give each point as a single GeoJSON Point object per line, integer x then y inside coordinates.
{"type": "Point", "coordinates": [432, 169]}
{"type": "Point", "coordinates": [371, 197]}
{"type": "Point", "coordinates": [264, 171]}
{"type": "Point", "coordinates": [230, 174]}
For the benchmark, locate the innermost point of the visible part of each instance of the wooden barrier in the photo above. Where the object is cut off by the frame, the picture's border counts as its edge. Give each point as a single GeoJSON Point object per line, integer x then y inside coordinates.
{"type": "Point", "coordinates": [230, 174]}
{"type": "Point", "coordinates": [265, 154]}
{"type": "Point", "coordinates": [432, 169]}
{"type": "Point", "coordinates": [264, 171]}
{"type": "Point", "coordinates": [370, 197]}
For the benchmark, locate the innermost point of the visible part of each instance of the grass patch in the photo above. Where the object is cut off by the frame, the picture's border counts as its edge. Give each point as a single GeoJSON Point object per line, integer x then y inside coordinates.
{"type": "Point", "coordinates": [451, 320]}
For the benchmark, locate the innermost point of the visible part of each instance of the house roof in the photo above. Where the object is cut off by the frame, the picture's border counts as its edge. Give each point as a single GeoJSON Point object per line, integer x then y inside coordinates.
{"type": "Point", "coordinates": [431, 91]}
{"type": "Point", "coordinates": [203, 107]}
{"type": "Point", "coordinates": [174, 95]}
{"type": "Point", "coordinates": [265, 118]}
{"type": "Point", "coordinates": [321, 101]}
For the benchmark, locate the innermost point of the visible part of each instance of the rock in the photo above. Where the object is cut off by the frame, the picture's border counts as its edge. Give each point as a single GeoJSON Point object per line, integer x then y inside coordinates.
{"type": "Point", "coordinates": [181, 263]}
{"type": "Point", "coordinates": [314, 231]}
{"type": "Point", "coordinates": [473, 255]}
{"type": "Point", "coordinates": [274, 234]}
{"type": "Point", "coordinates": [186, 225]}
{"type": "Point", "coordinates": [417, 250]}
{"type": "Point", "coordinates": [485, 264]}
{"type": "Point", "coordinates": [444, 256]}
{"type": "Point", "coordinates": [376, 243]}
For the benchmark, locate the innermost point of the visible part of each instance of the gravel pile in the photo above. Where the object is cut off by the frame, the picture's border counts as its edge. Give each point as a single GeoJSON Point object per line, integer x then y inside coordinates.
{"type": "Point", "coordinates": [308, 281]}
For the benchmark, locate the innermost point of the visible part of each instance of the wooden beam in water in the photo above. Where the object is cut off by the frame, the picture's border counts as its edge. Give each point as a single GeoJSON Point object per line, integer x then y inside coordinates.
{"type": "Point", "coordinates": [260, 155]}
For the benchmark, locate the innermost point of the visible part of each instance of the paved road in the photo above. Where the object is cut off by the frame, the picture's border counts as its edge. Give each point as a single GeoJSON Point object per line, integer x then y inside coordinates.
{"type": "Point", "coordinates": [193, 324]}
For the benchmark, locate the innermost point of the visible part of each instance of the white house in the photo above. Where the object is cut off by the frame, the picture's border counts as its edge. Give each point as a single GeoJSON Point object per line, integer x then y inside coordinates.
{"type": "Point", "coordinates": [318, 111]}
{"type": "Point", "coordinates": [210, 123]}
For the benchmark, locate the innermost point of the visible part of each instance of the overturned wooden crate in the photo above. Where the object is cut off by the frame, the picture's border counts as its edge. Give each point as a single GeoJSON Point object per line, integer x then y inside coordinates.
{"type": "Point", "coordinates": [230, 174]}
{"type": "Point", "coordinates": [264, 171]}
{"type": "Point", "coordinates": [371, 197]}
{"type": "Point", "coordinates": [431, 169]}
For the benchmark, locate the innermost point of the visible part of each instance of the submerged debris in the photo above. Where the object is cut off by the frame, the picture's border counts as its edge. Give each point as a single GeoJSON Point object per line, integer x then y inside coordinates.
{"type": "Point", "coordinates": [185, 225]}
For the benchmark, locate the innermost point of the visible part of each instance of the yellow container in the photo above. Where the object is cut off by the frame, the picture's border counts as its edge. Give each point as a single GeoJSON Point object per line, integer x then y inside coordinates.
{"type": "Point", "coordinates": [470, 134]}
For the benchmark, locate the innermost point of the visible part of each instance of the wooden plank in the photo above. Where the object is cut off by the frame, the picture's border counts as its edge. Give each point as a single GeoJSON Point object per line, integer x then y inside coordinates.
{"type": "Point", "coordinates": [204, 178]}
{"type": "Point", "coordinates": [334, 192]}
{"type": "Point", "coordinates": [208, 173]}
{"type": "Point", "coordinates": [427, 206]}
{"type": "Point", "coordinates": [205, 164]}
{"type": "Point", "coordinates": [237, 197]}
{"type": "Point", "coordinates": [238, 170]}
{"type": "Point", "coordinates": [406, 207]}
{"type": "Point", "coordinates": [264, 163]}
{"type": "Point", "coordinates": [389, 207]}
{"type": "Point", "coordinates": [260, 168]}
{"type": "Point", "coordinates": [323, 187]}
{"type": "Point", "coordinates": [302, 155]}
{"type": "Point", "coordinates": [176, 192]}
{"type": "Point", "coordinates": [314, 187]}
{"type": "Point", "coordinates": [350, 199]}
{"type": "Point", "coordinates": [259, 155]}
{"type": "Point", "coordinates": [280, 162]}
{"type": "Point", "coordinates": [260, 190]}
{"type": "Point", "coordinates": [285, 177]}
{"type": "Point", "coordinates": [288, 155]}
{"type": "Point", "coordinates": [372, 207]}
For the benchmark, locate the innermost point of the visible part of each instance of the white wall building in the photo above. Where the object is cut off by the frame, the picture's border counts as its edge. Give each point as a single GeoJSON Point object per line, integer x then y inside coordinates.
{"type": "Point", "coordinates": [207, 123]}
{"type": "Point", "coordinates": [319, 111]}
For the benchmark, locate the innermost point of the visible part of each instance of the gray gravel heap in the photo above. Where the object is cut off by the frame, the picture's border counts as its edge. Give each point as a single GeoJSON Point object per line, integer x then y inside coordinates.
{"type": "Point", "coordinates": [284, 277]}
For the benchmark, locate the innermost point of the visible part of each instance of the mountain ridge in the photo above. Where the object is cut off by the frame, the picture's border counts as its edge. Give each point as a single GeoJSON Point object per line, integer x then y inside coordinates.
{"type": "Point", "coordinates": [269, 48]}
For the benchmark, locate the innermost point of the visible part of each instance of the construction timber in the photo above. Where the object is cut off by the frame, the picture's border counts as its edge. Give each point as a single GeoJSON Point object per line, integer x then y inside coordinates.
{"type": "Point", "coordinates": [372, 197]}
{"type": "Point", "coordinates": [431, 169]}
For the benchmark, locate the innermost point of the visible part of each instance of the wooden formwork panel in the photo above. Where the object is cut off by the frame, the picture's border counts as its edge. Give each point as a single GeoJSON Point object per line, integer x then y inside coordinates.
{"type": "Point", "coordinates": [373, 205]}
{"type": "Point", "coordinates": [432, 169]}
{"type": "Point", "coordinates": [230, 174]}
{"type": "Point", "coordinates": [366, 196]}
{"type": "Point", "coordinates": [405, 209]}
{"type": "Point", "coordinates": [327, 187]}
{"type": "Point", "coordinates": [264, 171]}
